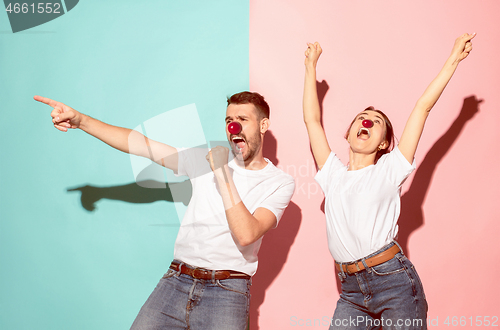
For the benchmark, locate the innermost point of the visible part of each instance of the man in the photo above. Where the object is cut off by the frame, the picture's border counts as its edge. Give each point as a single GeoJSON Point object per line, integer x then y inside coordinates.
{"type": "Point", "coordinates": [235, 201]}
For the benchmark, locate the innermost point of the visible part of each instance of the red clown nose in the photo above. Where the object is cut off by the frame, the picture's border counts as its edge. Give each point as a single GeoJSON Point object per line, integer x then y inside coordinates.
{"type": "Point", "coordinates": [234, 128]}
{"type": "Point", "coordinates": [367, 123]}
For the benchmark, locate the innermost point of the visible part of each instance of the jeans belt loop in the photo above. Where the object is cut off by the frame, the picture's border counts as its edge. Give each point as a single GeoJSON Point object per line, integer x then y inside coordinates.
{"type": "Point", "coordinates": [399, 246]}
{"type": "Point", "coordinates": [213, 276]}
{"type": "Point", "coordinates": [366, 266]}
{"type": "Point", "coordinates": [341, 274]}
{"type": "Point", "coordinates": [179, 270]}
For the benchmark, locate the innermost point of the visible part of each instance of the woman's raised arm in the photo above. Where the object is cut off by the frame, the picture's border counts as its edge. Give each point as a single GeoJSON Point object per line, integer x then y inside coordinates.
{"type": "Point", "coordinates": [415, 124]}
{"type": "Point", "coordinates": [312, 113]}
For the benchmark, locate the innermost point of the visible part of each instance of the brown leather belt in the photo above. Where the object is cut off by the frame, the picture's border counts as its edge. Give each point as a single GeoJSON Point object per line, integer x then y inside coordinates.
{"type": "Point", "coordinates": [378, 259]}
{"type": "Point", "coordinates": [206, 274]}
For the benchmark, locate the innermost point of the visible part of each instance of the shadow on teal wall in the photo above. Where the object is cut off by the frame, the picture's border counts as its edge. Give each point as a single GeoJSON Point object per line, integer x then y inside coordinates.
{"type": "Point", "coordinates": [70, 265]}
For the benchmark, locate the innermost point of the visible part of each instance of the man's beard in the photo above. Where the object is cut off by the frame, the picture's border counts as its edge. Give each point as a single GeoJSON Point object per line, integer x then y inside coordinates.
{"type": "Point", "coordinates": [252, 145]}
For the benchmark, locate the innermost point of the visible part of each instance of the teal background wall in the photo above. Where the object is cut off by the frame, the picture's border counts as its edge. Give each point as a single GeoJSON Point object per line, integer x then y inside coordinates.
{"type": "Point", "coordinates": [123, 62]}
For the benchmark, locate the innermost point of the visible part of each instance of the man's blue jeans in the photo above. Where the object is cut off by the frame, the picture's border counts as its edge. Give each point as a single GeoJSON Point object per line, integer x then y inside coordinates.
{"type": "Point", "coordinates": [182, 302]}
{"type": "Point", "coordinates": [386, 296]}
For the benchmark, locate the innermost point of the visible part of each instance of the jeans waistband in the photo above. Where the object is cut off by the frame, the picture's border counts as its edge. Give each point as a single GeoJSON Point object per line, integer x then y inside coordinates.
{"type": "Point", "coordinates": [384, 254]}
{"type": "Point", "coordinates": [206, 274]}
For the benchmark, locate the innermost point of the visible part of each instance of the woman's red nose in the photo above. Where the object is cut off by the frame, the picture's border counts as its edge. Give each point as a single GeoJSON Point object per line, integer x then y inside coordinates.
{"type": "Point", "coordinates": [367, 123]}
{"type": "Point", "coordinates": [234, 128]}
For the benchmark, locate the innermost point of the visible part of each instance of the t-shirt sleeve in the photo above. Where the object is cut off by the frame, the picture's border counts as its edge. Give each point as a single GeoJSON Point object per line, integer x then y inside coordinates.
{"type": "Point", "coordinates": [192, 162]}
{"type": "Point", "coordinates": [279, 199]}
{"type": "Point", "coordinates": [323, 177]}
{"type": "Point", "coordinates": [396, 167]}
{"type": "Point", "coordinates": [182, 162]}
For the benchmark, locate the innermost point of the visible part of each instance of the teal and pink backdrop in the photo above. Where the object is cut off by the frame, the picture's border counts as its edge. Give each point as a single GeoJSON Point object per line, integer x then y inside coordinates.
{"type": "Point", "coordinates": [82, 245]}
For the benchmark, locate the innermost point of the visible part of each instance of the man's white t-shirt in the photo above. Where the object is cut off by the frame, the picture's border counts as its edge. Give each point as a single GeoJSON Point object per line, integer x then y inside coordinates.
{"type": "Point", "coordinates": [362, 207]}
{"type": "Point", "coordinates": [204, 239]}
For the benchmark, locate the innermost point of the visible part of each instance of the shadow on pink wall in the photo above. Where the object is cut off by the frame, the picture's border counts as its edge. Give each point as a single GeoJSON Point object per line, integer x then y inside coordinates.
{"type": "Point", "coordinates": [275, 246]}
{"type": "Point", "coordinates": [412, 216]}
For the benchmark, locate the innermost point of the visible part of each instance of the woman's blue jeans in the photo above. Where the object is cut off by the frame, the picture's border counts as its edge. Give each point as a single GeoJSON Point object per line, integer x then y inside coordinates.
{"type": "Point", "coordinates": [182, 302]}
{"type": "Point", "coordinates": [386, 296]}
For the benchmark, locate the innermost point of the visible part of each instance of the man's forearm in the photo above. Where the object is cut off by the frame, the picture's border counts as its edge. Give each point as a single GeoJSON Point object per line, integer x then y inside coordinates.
{"type": "Point", "coordinates": [116, 137]}
{"type": "Point", "coordinates": [244, 226]}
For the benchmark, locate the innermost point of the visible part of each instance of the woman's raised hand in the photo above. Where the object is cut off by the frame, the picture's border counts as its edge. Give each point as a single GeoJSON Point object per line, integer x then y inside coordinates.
{"type": "Point", "coordinates": [312, 53]}
{"type": "Point", "coordinates": [462, 47]}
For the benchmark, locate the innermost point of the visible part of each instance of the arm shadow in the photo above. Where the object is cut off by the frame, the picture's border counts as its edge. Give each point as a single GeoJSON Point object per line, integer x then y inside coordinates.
{"type": "Point", "coordinates": [322, 88]}
{"type": "Point", "coordinates": [275, 246]}
{"type": "Point", "coordinates": [139, 192]}
{"type": "Point", "coordinates": [412, 217]}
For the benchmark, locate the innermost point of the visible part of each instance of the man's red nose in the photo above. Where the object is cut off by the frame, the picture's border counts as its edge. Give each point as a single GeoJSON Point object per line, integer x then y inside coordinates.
{"type": "Point", "coordinates": [234, 128]}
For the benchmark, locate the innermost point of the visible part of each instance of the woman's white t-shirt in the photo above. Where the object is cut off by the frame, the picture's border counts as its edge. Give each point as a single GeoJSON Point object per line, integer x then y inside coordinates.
{"type": "Point", "coordinates": [362, 207]}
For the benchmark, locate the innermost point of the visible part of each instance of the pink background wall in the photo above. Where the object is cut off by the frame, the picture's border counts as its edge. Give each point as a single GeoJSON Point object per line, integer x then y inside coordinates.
{"type": "Point", "coordinates": [384, 53]}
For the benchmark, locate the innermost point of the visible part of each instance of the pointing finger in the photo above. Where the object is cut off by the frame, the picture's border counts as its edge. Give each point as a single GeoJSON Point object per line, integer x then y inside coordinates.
{"type": "Point", "coordinates": [46, 100]}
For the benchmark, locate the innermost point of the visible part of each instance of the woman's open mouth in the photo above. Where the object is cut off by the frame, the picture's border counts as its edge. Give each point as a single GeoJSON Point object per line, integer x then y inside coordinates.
{"type": "Point", "coordinates": [364, 133]}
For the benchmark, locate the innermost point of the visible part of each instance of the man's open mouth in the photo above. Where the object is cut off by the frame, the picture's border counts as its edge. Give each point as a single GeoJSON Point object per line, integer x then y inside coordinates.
{"type": "Point", "coordinates": [239, 142]}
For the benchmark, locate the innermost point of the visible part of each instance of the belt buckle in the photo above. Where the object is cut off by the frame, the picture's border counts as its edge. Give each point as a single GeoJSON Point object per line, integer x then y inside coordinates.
{"type": "Point", "coordinates": [193, 273]}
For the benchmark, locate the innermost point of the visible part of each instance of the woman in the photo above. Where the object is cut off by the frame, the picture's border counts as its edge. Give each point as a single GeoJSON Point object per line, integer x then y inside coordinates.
{"type": "Point", "coordinates": [380, 286]}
